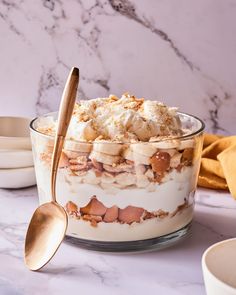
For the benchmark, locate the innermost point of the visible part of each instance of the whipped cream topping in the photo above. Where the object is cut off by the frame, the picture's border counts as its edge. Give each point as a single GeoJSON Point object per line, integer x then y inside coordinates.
{"type": "Point", "coordinates": [125, 119]}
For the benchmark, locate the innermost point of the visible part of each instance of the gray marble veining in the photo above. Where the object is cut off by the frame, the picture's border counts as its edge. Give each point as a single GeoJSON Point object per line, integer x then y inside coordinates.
{"type": "Point", "coordinates": [182, 53]}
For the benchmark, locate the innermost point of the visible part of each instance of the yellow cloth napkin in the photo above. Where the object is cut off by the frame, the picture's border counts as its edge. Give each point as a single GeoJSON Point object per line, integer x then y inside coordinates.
{"type": "Point", "coordinates": [218, 163]}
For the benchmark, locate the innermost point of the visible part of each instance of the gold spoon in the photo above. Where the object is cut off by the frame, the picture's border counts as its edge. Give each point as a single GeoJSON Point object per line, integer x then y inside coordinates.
{"type": "Point", "coordinates": [48, 225]}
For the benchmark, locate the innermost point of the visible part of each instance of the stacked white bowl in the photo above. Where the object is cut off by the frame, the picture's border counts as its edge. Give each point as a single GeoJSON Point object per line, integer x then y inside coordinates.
{"type": "Point", "coordinates": [16, 159]}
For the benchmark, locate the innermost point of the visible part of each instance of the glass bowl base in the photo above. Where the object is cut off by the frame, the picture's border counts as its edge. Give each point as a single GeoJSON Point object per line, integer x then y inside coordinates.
{"type": "Point", "coordinates": [132, 246]}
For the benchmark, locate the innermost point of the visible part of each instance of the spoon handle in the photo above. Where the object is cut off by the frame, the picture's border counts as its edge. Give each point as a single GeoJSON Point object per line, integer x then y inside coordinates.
{"type": "Point", "coordinates": [64, 117]}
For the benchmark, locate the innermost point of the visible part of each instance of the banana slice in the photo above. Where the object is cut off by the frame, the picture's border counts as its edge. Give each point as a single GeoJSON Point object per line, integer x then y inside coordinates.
{"type": "Point", "coordinates": [108, 148]}
{"type": "Point", "coordinates": [74, 155]}
{"type": "Point", "coordinates": [144, 129]}
{"type": "Point", "coordinates": [145, 149]}
{"type": "Point", "coordinates": [91, 177]}
{"type": "Point", "coordinates": [83, 130]}
{"type": "Point", "coordinates": [150, 174]}
{"type": "Point", "coordinates": [175, 160]}
{"type": "Point", "coordinates": [104, 158]}
{"type": "Point", "coordinates": [125, 179]}
{"type": "Point", "coordinates": [171, 152]}
{"type": "Point", "coordinates": [141, 159]}
{"type": "Point", "coordinates": [84, 147]}
{"type": "Point", "coordinates": [107, 178]}
{"type": "Point", "coordinates": [128, 154]}
{"type": "Point", "coordinates": [188, 143]}
{"type": "Point", "coordinates": [142, 181]}
{"type": "Point", "coordinates": [167, 144]}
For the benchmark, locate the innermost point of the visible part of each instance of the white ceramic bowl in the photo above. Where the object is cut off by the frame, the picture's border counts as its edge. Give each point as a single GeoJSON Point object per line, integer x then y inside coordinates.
{"type": "Point", "coordinates": [14, 133]}
{"type": "Point", "coordinates": [17, 178]}
{"type": "Point", "coordinates": [219, 268]}
{"type": "Point", "coordinates": [16, 159]}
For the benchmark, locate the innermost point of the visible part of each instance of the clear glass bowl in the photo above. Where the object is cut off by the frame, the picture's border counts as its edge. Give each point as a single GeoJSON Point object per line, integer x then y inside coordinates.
{"type": "Point", "coordinates": [123, 196]}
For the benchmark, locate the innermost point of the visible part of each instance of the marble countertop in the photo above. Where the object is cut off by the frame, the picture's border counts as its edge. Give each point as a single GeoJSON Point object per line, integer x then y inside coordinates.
{"type": "Point", "coordinates": [175, 270]}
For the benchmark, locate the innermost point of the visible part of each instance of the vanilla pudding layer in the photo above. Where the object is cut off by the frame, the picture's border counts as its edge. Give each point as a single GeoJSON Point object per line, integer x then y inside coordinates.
{"type": "Point", "coordinates": [116, 232]}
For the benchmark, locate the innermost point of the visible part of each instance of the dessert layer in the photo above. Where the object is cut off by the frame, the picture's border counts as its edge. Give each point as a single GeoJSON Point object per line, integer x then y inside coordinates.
{"type": "Point", "coordinates": [150, 228]}
{"type": "Point", "coordinates": [125, 173]}
{"type": "Point", "coordinates": [95, 212]}
{"type": "Point", "coordinates": [168, 195]}
{"type": "Point", "coordinates": [113, 119]}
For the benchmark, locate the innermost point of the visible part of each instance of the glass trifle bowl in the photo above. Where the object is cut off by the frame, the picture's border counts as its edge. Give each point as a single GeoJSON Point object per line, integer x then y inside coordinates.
{"type": "Point", "coordinates": [126, 186]}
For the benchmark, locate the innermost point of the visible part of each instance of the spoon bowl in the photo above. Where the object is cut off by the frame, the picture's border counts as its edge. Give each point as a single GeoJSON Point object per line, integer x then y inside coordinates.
{"type": "Point", "coordinates": [46, 231]}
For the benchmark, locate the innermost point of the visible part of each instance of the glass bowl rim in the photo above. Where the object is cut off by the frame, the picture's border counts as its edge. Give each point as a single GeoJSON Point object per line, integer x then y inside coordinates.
{"type": "Point", "coordinates": [186, 136]}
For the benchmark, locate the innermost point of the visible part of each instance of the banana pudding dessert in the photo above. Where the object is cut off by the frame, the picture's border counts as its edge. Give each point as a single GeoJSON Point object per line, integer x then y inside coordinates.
{"type": "Point", "coordinates": [128, 170]}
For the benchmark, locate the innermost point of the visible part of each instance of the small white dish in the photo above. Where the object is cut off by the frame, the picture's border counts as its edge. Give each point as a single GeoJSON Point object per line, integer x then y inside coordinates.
{"type": "Point", "coordinates": [16, 159]}
{"type": "Point", "coordinates": [17, 178]}
{"type": "Point", "coordinates": [14, 133]}
{"type": "Point", "coordinates": [219, 268]}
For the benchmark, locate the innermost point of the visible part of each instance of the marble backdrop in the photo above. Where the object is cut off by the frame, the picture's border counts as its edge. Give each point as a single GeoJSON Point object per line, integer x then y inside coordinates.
{"type": "Point", "coordinates": [180, 52]}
